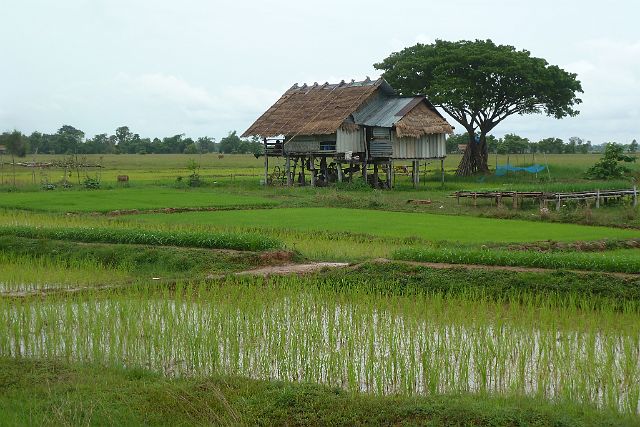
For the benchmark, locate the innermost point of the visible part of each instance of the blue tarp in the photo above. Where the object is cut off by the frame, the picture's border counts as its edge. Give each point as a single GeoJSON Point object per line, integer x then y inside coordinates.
{"type": "Point", "coordinates": [502, 170]}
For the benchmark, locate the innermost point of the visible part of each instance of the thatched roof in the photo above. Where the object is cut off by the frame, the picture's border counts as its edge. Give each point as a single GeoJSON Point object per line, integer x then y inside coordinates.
{"type": "Point", "coordinates": [314, 110]}
{"type": "Point", "coordinates": [323, 109]}
{"type": "Point", "coordinates": [420, 120]}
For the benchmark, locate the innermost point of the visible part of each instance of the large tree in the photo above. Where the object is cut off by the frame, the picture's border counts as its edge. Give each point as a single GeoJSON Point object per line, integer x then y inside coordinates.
{"type": "Point", "coordinates": [479, 84]}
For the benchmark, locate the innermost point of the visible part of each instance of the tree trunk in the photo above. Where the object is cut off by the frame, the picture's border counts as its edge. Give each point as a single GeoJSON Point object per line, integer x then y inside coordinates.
{"type": "Point", "coordinates": [475, 157]}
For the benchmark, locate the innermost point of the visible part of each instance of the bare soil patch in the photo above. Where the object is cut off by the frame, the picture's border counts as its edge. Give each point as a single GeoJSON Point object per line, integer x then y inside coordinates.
{"type": "Point", "coordinates": [292, 269]}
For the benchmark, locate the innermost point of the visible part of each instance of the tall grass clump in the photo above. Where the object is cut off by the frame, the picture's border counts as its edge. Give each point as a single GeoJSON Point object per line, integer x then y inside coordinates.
{"type": "Point", "coordinates": [593, 261]}
{"type": "Point", "coordinates": [213, 240]}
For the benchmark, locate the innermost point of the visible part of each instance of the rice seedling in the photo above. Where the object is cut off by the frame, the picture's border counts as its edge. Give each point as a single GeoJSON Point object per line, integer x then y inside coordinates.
{"type": "Point", "coordinates": [297, 330]}
{"type": "Point", "coordinates": [28, 273]}
{"type": "Point", "coordinates": [220, 240]}
{"type": "Point", "coordinates": [426, 226]}
{"type": "Point", "coordinates": [620, 261]}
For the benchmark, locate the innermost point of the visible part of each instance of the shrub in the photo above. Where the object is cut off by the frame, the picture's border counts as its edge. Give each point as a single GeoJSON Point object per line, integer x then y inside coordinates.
{"type": "Point", "coordinates": [609, 166]}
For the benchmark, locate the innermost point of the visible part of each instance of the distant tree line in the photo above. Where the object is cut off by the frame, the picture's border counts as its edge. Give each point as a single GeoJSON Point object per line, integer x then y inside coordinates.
{"type": "Point", "coordinates": [69, 140]}
{"type": "Point", "coordinates": [514, 144]}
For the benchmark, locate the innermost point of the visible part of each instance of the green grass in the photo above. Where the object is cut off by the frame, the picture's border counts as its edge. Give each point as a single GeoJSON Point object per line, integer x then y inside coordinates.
{"type": "Point", "coordinates": [44, 392]}
{"type": "Point", "coordinates": [237, 241]}
{"type": "Point", "coordinates": [125, 199]}
{"type": "Point", "coordinates": [395, 224]}
{"type": "Point", "coordinates": [56, 262]}
{"type": "Point", "coordinates": [625, 262]}
{"type": "Point", "coordinates": [54, 273]}
{"type": "Point", "coordinates": [557, 288]}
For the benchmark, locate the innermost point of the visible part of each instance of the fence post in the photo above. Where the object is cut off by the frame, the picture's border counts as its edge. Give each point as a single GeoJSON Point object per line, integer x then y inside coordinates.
{"type": "Point", "coordinates": [635, 196]}
{"type": "Point", "coordinates": [558, 203]}
{"type": "Point", "coordinates": [597, 198]}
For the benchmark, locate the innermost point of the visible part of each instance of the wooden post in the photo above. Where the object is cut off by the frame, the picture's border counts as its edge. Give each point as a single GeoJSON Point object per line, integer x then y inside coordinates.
{"type": "Point", "coordinates": [558, 203]}
{"type": "Point", "coordinates": [340, 172]}
{"type": "Point", "coordinates": [288, 168]}
{"type": "Point", "coordinates": [302, 169]}
{"type": "Point", "coordinates": [375, 175]}
{"type": "Point", "coordinates": [442, 171]}
{"type": "Point", "coordinates": [515, 200]}
{"type": "Point", "coordinates": [324, 168]}
{"type": "Point", "coordinates": [364, 171]}
{"type": "Point", "coordinates": [597, 199]}
{"type": "Point", "coordinates": [389, 175]}
{"type": "Point", "coordinates": [635, 196]}
{"type": "Point", "coordinates": [312, 163]}
{"type": "Point", "coordinates": [415, 173]}
{"type": "Point", "coordinates": [350, 170]}
{"type": "Point", "coordinates": [266, 163]}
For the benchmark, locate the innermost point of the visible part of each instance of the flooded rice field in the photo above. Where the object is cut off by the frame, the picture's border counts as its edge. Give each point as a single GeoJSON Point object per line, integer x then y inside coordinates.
{"type": "Point", "coordinates": [359, 341]}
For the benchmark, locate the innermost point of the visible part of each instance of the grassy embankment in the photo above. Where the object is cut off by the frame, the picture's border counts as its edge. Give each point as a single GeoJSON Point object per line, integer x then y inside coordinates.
{"type": "Point", "coordinates": [43, 392]}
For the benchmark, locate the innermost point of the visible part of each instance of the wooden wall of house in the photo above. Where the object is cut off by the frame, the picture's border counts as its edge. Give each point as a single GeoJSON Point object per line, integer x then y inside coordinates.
{"type": "Point", "coordinates": [426, 147]}
{"type": "Point", "coordinates": [350, 141]}
{"type": "Point", "coordinates": [304, 144]}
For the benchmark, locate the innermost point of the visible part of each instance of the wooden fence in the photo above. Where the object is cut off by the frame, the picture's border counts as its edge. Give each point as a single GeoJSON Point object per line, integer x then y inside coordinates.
{"type": "Point", "coordinates": [544, 198]}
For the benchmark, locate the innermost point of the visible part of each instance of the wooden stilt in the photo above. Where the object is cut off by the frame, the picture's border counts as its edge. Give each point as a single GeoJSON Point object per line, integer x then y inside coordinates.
{"type": "Point", "coordinates": [302, 171]}
{"type": "Point", "coordinates": [442, 171]}
{"type": "Point", "coordinates": [364, 171]}
{"type": "Point", "coordinates": [324, 168]}
{"type": "Point", "coordinates": [266, 163]}
{"type": "Point", "coordinates": [288, 168]}
{"type": "Point", "coordinates": [340, 172]}
{"type": "Point", "coordinates": [313, 171]}
{"type": "Point", "coordinates": [375, 175]}
{"type": "Point", "coordinates": [390, 175]}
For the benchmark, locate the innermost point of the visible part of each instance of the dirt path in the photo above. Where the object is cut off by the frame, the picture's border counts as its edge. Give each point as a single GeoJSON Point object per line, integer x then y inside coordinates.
{"type": "Point", "coordinates": [306, 268]}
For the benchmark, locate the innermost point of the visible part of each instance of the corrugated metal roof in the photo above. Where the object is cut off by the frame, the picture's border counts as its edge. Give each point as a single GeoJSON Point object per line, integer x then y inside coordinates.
{"type": "Point", "coordinates": [384, 111]}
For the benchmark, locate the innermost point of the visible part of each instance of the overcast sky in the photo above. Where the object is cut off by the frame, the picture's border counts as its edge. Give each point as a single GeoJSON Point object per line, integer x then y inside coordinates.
{"type": "Point", "coordinates": [202, 67]}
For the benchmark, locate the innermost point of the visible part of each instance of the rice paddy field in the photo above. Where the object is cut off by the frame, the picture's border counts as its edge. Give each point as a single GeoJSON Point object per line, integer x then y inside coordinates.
{"type": "Point", "coordinates": [444, 313]}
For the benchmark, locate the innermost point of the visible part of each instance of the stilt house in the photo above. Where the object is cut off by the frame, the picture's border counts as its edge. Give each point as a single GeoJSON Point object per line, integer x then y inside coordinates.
{"type": "Point", "coordinates": [332, 131]}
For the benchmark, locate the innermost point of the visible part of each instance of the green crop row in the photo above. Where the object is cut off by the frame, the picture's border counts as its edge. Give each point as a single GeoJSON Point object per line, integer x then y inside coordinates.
{"type": "Point", "coordinates": [552, 260]}
{"type": "Point", "coordinates": [212, 240]}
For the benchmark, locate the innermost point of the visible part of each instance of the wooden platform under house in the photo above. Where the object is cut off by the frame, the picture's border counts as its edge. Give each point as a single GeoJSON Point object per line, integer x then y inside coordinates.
{"type": "Point", "coordinates": [334, 132]}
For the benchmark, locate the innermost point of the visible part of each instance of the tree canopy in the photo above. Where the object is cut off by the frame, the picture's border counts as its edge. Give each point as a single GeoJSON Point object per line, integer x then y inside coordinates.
{"type": "Point", "coordinates": [479, 84]}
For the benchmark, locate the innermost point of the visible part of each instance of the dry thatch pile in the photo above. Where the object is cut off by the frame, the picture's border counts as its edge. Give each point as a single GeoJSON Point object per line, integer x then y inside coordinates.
{"type": "Point", "coordinates": [421, 120]}
{"type": "Point", "coordinates": [313, 110]}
